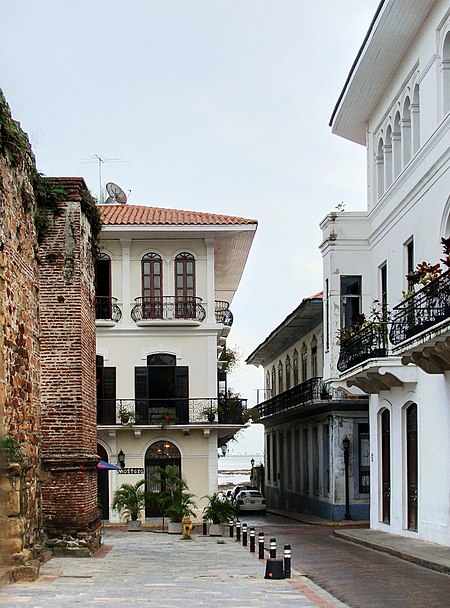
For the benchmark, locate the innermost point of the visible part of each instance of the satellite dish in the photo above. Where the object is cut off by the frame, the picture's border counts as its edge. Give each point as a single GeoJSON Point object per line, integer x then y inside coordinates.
{"type": "Point", "coordinates": [116, 194]}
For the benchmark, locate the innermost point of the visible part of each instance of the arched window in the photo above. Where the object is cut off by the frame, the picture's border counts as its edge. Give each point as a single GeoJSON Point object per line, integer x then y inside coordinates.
{"type": "Point", "coordinates": [415, 120]}
{"type": "Point", "coordinates": [274, 382]}
{"type": "Point", "coordinates": [379, 161]}
{"type": "Point", "coordinates": [185, 285]}
{"type": "Point", "coordinates": [152, 289]}
{"type": "Point", "coordinates": [388, 158]}
{"type": "Point", "coordinates": [397, 146]}
{"type": "Point", "coordinates": [295, 366]}
{"type": "Point", "coordinates": [314, 369]}
{"type": "Point", "coordinates": [103, 302]}
{"type": "Point", "coordinates": [268, 391]}
{"type": "Point", "coordinates": [304, 355]}
{"type": "Point", "coordinates": [386, 466]}
{"type": "Point", "coordinates": [159, 455]}
{"type": "Point", "coordinates": [280, 377]}
{"type": "Point", "coordinates": [412, 465]}
{"type": "Point", "coordinates": [406, 132]}
{"type": "Point", "coordinates": [288, 372]}
{"type": "Point", "coordinates": [446, 75]}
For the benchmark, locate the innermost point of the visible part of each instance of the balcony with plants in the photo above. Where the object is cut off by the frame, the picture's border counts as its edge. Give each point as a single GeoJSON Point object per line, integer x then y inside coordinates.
{"type": "Point", "coordinates": [227, 410]}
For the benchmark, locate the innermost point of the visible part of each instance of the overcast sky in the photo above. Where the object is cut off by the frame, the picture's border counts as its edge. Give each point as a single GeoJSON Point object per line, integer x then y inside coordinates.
{"type": "Point", "coordinates": [211, 105]}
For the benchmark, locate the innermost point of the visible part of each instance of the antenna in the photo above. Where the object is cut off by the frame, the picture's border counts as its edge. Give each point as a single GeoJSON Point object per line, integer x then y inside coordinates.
{"type": "Point", "coordinates": [116, 194]}
{"type": "Point", "coordinates": [96, 158]}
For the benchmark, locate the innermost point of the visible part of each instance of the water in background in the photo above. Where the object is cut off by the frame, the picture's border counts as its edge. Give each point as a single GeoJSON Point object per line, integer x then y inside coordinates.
{"type": "Point", "coordinates": [235, 469]}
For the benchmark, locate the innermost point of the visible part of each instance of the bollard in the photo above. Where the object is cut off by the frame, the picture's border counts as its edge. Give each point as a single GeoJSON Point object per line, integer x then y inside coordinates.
{"type": "Point", "coordinates": [261, 545]}
{"type": "Point", "coordinates": [273, 548]}
{"type": "Point", "coordinates": [238, 531]}
{"type": "Point", "coordinates": [244, 535]}
{"type": "Point", "coordinates": [287, 561]}
{"type": "Point", "coordinates": [252, 539]}
{"type": "Point", "coordinates": [205, 528]}
{"type": "Point", "coordinates": [231, 528]}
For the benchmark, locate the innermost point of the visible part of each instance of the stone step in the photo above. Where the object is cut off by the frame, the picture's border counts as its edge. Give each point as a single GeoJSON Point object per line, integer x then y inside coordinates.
{"type": "Point", "coordinates": [5, 575]}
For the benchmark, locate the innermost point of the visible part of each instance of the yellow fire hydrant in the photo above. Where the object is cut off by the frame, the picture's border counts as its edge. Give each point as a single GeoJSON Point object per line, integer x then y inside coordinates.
{"type": "Point", "coordinates": [187, 527]}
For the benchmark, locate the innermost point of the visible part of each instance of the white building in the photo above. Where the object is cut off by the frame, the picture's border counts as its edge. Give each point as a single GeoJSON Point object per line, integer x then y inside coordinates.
{"type": "Point", "coordinates": [396, 102]}
{"type": "Point", "coordinates": [165, 279]}
{"type": "Point", "coordinates": [311, 430]}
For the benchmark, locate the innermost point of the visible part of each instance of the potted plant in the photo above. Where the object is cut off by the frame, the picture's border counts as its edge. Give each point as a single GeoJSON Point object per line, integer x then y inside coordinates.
{"type": "Point", "coordinates": [126, 416]}
{"type": "Point", "coordinates": [168, 416]}
{"type": "Point", "coordinates": [130, 500]}
{"type": "Point", "coordinates": [174, 499]}
{"type": "Point", "coordinates": [210, 413]}
{"type": "Point", "coordinates": [217, 512]}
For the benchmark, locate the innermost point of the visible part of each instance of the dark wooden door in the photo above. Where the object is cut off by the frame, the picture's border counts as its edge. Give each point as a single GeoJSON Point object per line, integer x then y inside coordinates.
{"type": "Point", "coordinates": [411, 455]}
{"type": "Point", "coordinates": [386, 465]}
{"type": "Point", "coordinates": [103, 484]}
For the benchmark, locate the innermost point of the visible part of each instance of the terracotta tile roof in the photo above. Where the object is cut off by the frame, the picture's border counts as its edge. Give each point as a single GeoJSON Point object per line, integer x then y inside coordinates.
{"type": "Point", "coordinates": [318, 295]}
{"type": "Point", "coordinates": [141, 215]}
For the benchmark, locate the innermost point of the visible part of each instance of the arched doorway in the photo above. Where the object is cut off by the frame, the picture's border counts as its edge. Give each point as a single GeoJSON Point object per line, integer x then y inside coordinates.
{"type": "Point", "coordinates": [386, 466]}
{"type": "Point", "coordinates": [159, 455]}
{"type": "Point", "coordinates": [412, 468]}
{"type": "Point", "coordinates": [103, 483]}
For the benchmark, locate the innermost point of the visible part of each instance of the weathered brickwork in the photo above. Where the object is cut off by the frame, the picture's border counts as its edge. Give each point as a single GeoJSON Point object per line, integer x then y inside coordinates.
{"type": "Point", "coordinates": [20, 503]}
{"type": "Point", "coordinates": [67, 313]}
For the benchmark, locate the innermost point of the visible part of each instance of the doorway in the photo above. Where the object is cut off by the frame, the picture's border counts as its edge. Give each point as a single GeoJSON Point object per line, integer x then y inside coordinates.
{"type": "Point", "coordinates": [159, 455]}
{"type": "Point", "coordinates": [386, 466]}
{"type": "Point", "coordinates": [103, 484]}
{"type": "Point", "coordinates": [411, 458]}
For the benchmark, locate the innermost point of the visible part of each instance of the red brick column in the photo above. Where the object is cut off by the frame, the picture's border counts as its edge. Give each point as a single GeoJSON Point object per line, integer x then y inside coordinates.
{"type": "Point", "coordinates": [68, 398]}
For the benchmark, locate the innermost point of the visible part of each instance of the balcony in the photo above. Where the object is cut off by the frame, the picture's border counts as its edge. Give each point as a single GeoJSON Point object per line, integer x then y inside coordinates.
{"type": "Point", "coordinates": [223, 313]}
{"type": "Point", "coordinates": [422, 311]}
{"type": "Point", "coordinates": [107, 310]}
{"type": "Point", "coordinates": [168, 308]}
{"type": "Point", "coordinates": [370, 342]}
{"type": "Point", "coordinates": [313, 391]}
{"type": "Point", "coordinates": [168, 412]}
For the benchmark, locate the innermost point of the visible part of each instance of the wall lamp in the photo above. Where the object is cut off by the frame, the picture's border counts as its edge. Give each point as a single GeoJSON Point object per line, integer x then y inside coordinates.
{"type": "Point", "coordinates": [121, 459]}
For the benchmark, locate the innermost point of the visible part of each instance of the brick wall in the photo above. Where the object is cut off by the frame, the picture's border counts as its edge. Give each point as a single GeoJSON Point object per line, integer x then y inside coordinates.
{"type": "Point", "coordinates": [20, 504]}
{"type": "Point", "coordinates": [67, 316]}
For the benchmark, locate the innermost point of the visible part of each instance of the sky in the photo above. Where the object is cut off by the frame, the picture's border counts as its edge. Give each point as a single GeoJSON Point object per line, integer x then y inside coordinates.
{"type": "Point", "coordinates": [219, 106]}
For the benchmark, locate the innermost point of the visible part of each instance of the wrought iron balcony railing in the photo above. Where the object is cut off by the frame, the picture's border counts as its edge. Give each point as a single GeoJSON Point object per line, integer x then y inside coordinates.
{"type": "Point", "coordinates": [306, 392]}
{"type": "Point", "coordinates": [107, 309]}
{"type": "Point", "coordinates": [426, 308]}
{"type": "Point", "coordinates": [223, 313]}
{"type": "Point", "coordinates": [168, 308]}
{"type": "Point", "coordinates": [175, 411]}
{"type": "Point", "coordinates": [368, 343]}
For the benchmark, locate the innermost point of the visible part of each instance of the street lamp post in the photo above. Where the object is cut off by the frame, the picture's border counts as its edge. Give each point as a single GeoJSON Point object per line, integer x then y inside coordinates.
{"type": "Point", "coordinates": [346, 446]}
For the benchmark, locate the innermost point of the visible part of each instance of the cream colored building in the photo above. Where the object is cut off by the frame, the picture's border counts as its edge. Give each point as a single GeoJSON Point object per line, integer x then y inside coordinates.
{"type": "Point", "coordinates": [165, 282]}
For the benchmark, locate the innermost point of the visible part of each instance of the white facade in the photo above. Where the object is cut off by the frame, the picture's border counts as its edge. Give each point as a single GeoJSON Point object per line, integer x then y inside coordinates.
{"type": "Point", "coordinates": [307, 425]}
{"type": "Point", "coordinates": [172, 278]}
{"type": "Point", "coordinates": [397, 103]}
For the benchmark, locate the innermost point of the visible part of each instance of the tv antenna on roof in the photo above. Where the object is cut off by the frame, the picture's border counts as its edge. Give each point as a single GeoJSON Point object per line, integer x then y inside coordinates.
{"type": "Point", "coordinates": [116, 194]}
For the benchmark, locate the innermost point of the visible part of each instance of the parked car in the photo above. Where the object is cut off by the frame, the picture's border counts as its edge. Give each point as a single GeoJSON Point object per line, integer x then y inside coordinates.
{"type": "Point", "coordinates": [250, 500]}
{"type": "Point", "coordinates": [238, 489]}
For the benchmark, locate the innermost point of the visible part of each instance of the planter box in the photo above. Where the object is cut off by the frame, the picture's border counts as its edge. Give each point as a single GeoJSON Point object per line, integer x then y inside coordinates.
{"type": "Point", "coordinates": [216, 529]}
{"type": "Point", "coordinates": [134, 526]}
{"type": "Point", "coordinates": [175, 527]}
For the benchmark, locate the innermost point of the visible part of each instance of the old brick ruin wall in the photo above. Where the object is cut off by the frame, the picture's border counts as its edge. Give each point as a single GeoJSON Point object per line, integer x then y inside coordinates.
{"type": "Point", "coordinates": [48, 485]}
{"type": "Point", "coordinates": [20, 504]}
{"type": "Point", "coordinates": [69, 439]}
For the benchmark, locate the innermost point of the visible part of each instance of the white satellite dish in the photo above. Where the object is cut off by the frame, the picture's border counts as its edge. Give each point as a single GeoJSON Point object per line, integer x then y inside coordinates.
{"type": "Point", "coordinates": [116, 194]}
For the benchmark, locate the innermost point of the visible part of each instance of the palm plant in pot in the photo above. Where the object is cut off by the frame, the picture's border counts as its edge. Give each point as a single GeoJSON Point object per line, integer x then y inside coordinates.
{"type": "Point", "coordinates": [130, 500]}
{"type": "Point", "coordinates": [217, 512]}
{"type": "Point", "coordinates": [175, 500]}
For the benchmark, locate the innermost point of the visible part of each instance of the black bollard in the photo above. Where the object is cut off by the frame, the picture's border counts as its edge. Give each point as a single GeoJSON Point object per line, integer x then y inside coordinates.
{"type": "Point", "coordinates": [238, 531]}
{"type": "Point", "coordinates": [273, 548]}
{"type": "Point", "coordinates": [244, 535]}
{"type": "Point", "coordinates": [231, 528]}
{"type": "Point", "coordinates": [252, 539]}
{"type": "Point", "coordinates": [261, 545]}
{"type": "Point", "coordinates": [205, 528]}
{"type": "Point", "coordinates": [287, 561]}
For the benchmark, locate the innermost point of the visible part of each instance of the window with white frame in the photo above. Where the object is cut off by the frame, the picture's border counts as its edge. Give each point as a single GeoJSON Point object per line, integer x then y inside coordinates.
{"type": "Point", "coordinates": [350, 300]}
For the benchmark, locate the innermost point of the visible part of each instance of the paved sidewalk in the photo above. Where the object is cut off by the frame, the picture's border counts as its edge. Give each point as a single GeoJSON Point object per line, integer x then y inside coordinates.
{"type": "Point", "coordinates": [429, 555]}
{"type": "Point", "coordinates": [161, 570]}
